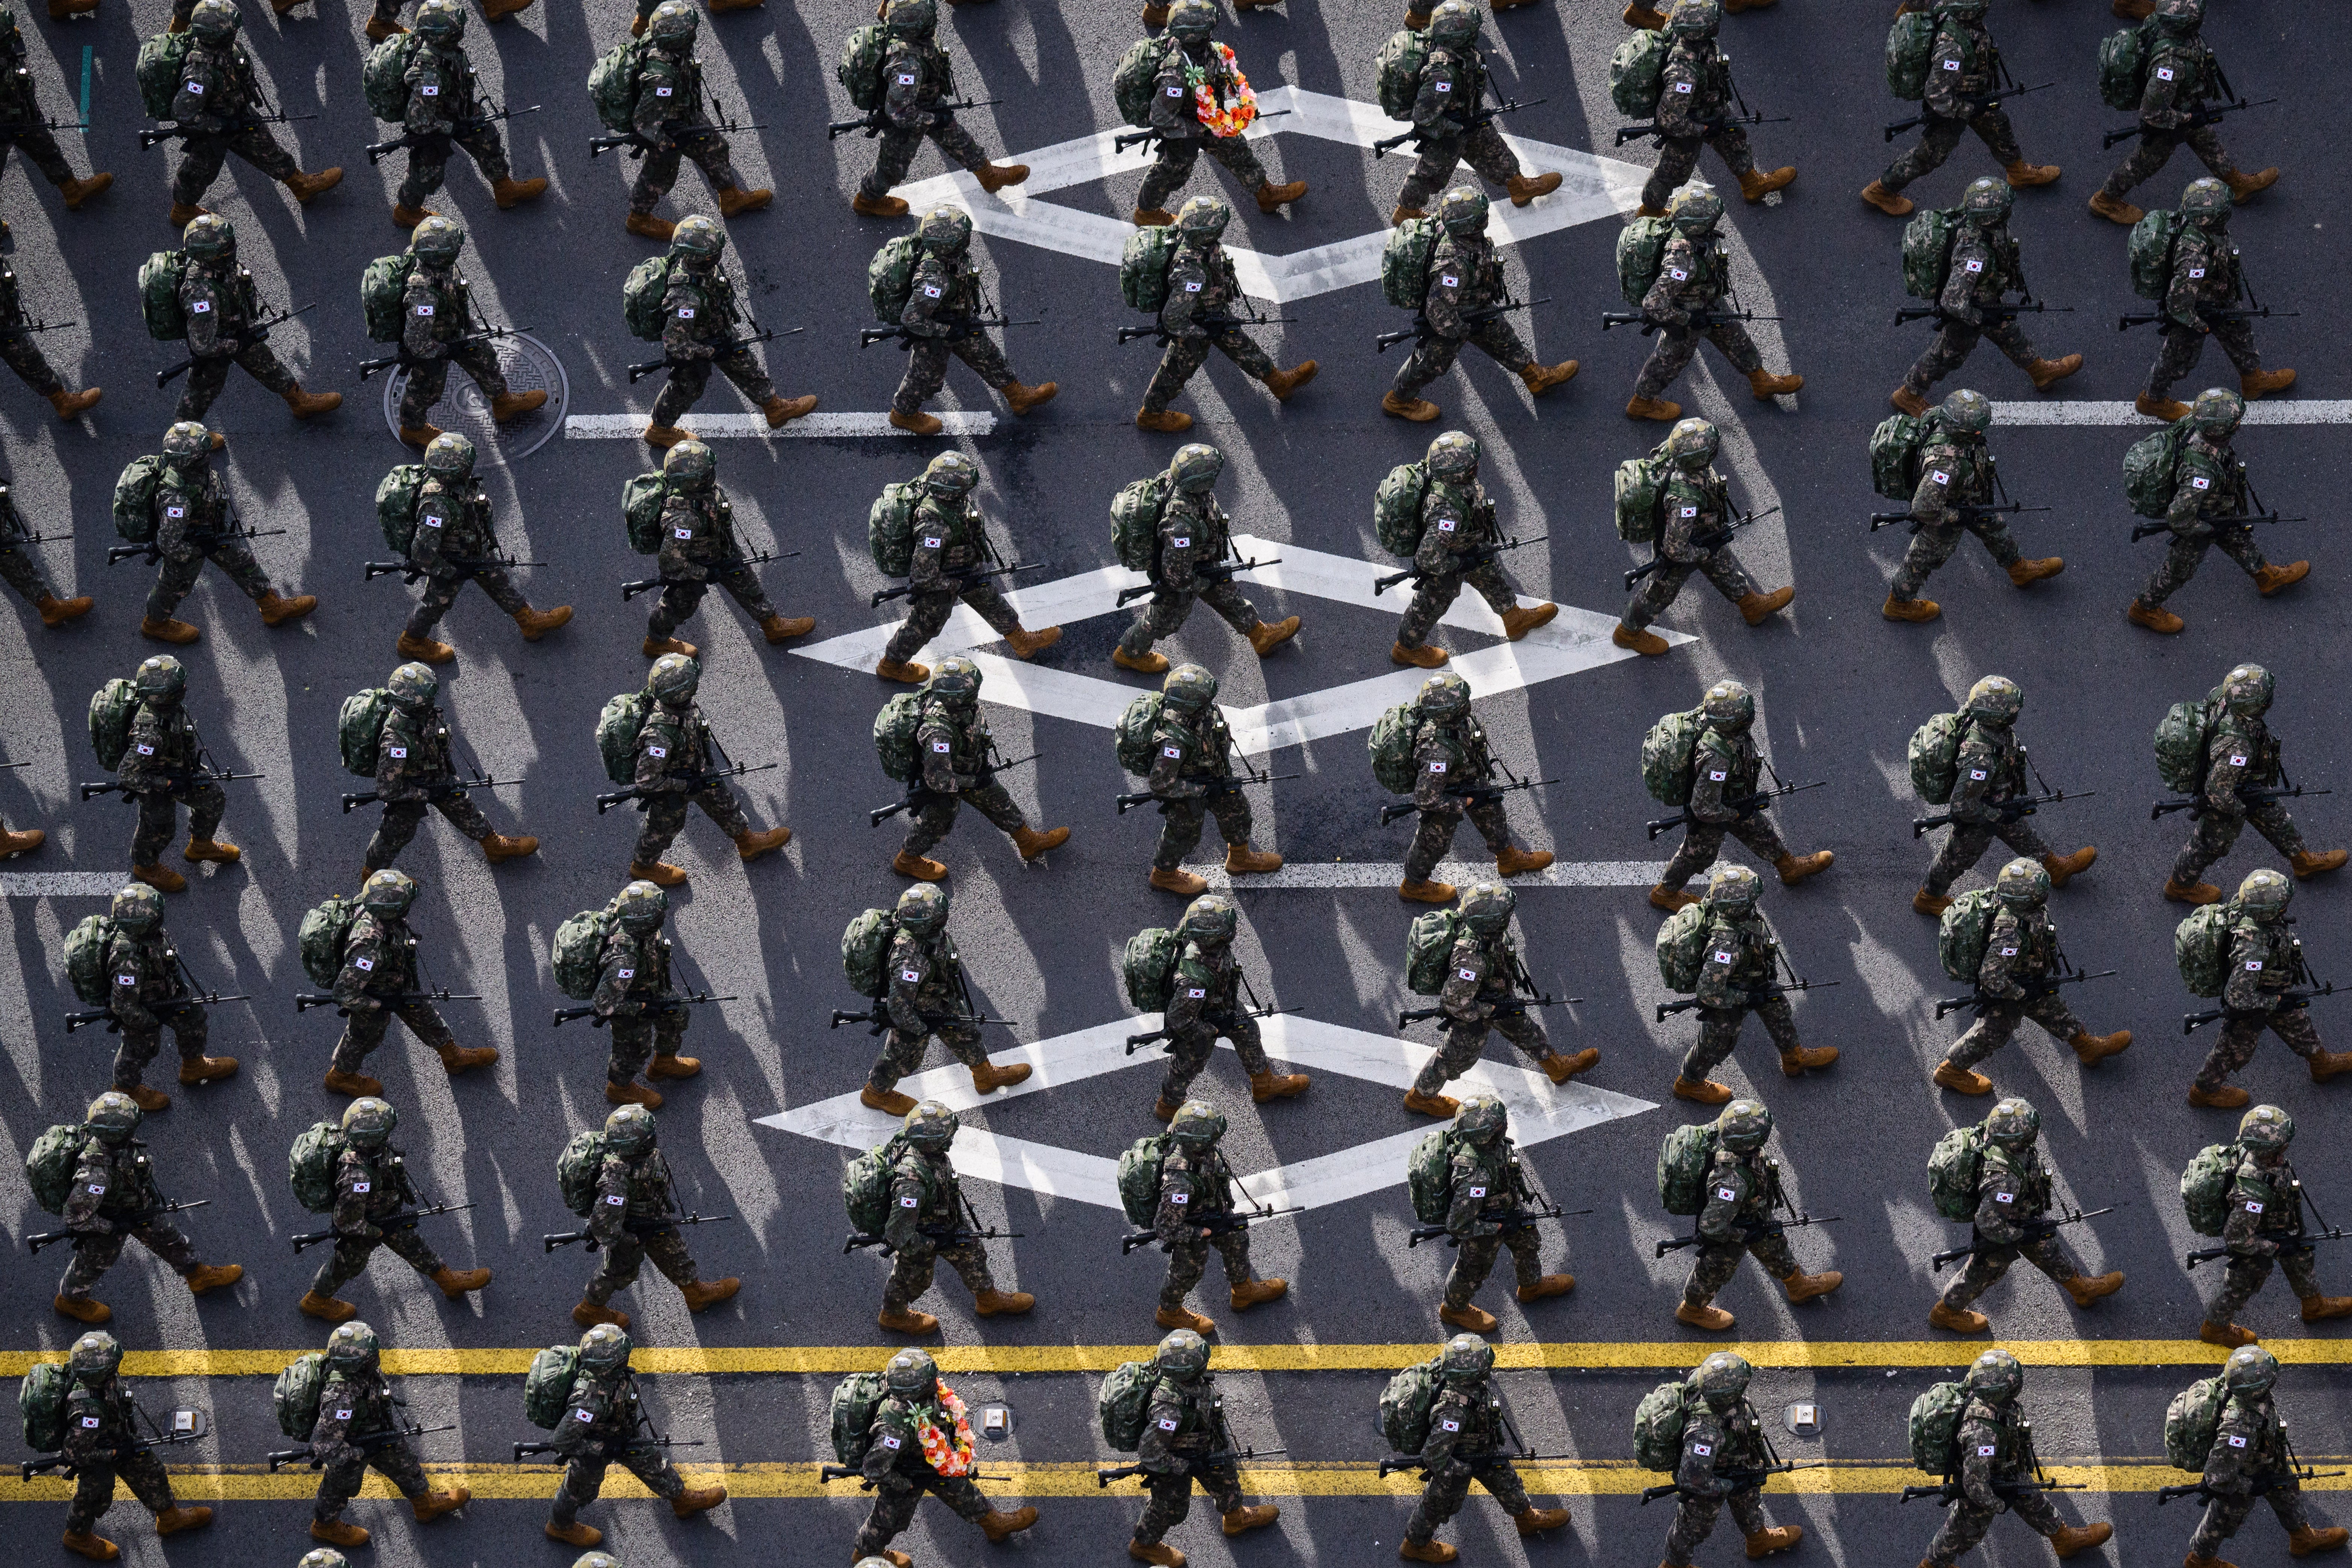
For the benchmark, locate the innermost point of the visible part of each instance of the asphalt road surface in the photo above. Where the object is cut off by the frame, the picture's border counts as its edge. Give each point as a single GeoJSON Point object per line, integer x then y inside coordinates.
{"type": "Point", "coordinates": [755, 1137]}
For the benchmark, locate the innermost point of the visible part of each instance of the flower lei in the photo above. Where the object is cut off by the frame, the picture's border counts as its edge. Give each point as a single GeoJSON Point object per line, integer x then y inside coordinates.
{"type": "Point", "coordinates": [947, 1450]}
{"type": "Point", "coordinates": [1231, 115]}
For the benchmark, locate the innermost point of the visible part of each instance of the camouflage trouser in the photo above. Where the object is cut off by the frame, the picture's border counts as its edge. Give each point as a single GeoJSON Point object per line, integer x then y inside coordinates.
{"type": "Point", "coordinates": [678, 601]}
{"type": "Point", "coordinates": [1186, 355]}
{"type": "Point", "coordinates": [1969, 840]}
{"type": "Point", "coordinates": [1188, 1260]}
{"type": "Point", "coordinates": [2242, 1032]}
{"type": "Point", "coordinates": [1678, 159]}
{"type": "Point", "coordinates": [621, 1260]}
{"type": "Point", "coordinates": [1174, 166]}
{"type": "Point", "coordinates": [1434, 595]}
{"type": "Point", "coordinates": [202, 157]}
{"type": "Point", "coordinates": [1466, 1043]}
{"type": "Point", "coordinates": [349, 1259]}
{"type": "Point", "coordinates": [1443, 1497]}
{"type": "Point", "coordinates": [1484, 149]}
{"type": "Point", "coordinates": [1941, 136]}
{"type": "Point", "coordinates": [1677, 346]}
{"type": "Point", "coordinates": [911, 1269]}
{"type": "Point", "coordinates": [658, 173]}
{"type": "Point", "coordinates": [584, 1480]}
{"type": "Point", "coordinates": [2183, 556]}
{"type": "Point", "coordinates": [2210, 836]}
{"type": "Point", "coordinates": [1718, 1031]}
{"type": "Point", "coordinates": [1434, 836]}
{"type": "Point", "coordinates": [94, 1255]}
{"type": "Point", "coordinates": [363, 1032]}
{"type": "Point", "coordinates": [927, 368]}
{"type": "Point", "coordinates": [1658, 590]}
{"type": "Point", "coordinates": [1695, 1520]}
{"type": "Point", "coordinates": [2155, 150]}
{"type": "Point", "coordinates": [897, 153]}
{"type": "Point", "coordinates": [1964, 1524]}
{"type": "Point", "coordinates": [2224, 1516]}
{"type": "Point", "coordinates": [441, 591]}
{"type": "Point", "coordinates": [1474, 1259]}
{"type": "Point", "coordinates": [339, 1484]}
{"type": "Point", "coordinates": [933, 819]}
{"type": "Point", "coordinates": [1703, 841]}
{"type": "Point", "coordinates": [1168, 610]}
{"type": "Point", "coordinates": [636, 1041]}
{"type": "Point", "coordinates": [1953, 343]}
{"type": "Point", "coordinates": [1998, 1024]}
{"type": "Point", "coordinates": [928, 613]}
{"type": "Point", "coordinates": [1933, 545]}
{"type": "Point", "coordinates": [40, 150]}
{"type": "Point", "coordinates": [902, 1054]}
{"type": "Point", "coordinates": [894, 1507]}
{"type": "Point", "coordinates": [159, 817]}
{"type": "Point", "coordinates": [1988, 1263]}
{"type": "Point", "coordinates": [688, 380]}
{"type": "Point", "coordinates": [428, 378]}
{"type": "Point", "coordinates": [94, 1489]}
{"type": "Point", "coordinates": [2182, 347]}
{"type": "Point", "coordinates": [403, 817]}
{"type": "Point", "coordinates": [1181, 822]}
{"type": "Point", "coordinates": [2242, 1277]}
{"type": "Point", "coordinates": [1188, 1053]}
{"type": "Point", "coordinates": [208, 376]}
{"type": "Point", "coordinates": [1718, 1262]}
{"type": "Point", "coordinates": [1435, 355]}
{"type": "Point", "coordinates": [1171, 1497]}
{"type": "Point", "coordinates": [428, 163]}
{"type": "Point", "coordinates": [176, 578]}
{"type": "Point", "coordinates": [23, 354]}
{"type": "Point", "coordinates": [666, 817]}
{"type": "Point", "coordinates": [18, 570]}
{"type": "Point", "coordinates": [139, 1047]}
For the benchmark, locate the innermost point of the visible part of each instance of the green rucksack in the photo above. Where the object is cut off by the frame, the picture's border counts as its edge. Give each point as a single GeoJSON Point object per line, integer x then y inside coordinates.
{"type": "Point", "coordinates": [644, 298]}
{"type": "Point", "coordinates": [111, 707]}
{"type": "Point", "coordinates": [865, 951]}
{"type": "Point", "coordinates": [1143, 263]}
{"type": "Point", "coordinates": [2192, 1421]}
{"type": "Point", "coordinates": [641, 500]}
{"type": "Point", "coordinates": [2201, 948]}
{"type": "Point", "coordinates": [1391, 748]}
{"type": "Point", "coordinates": [1396, 72]}
{"type": "Point", "coordinates": [856, 1397]}
{"type": "Point", "coordinates": [890, 276]}
{"type": "Point", "coordinates": [1658, 1424]}
{"type": "Point", "coordinates": [396, 505]}
{"type": "Point", "coordinates": [1640, 488]}
{"type": "Point", "coordinates": [2151, 469]}
{"type": "Point", "coordinates": [383, 82]}
{"type": "Point", "coordinates": [1894, 447]}
{"type": "Point", "coordinates": [1964, 932]}
{"type": "Point", "coordinates": [41, 1405]}
{"type": "Point", "coordinates": [1132, 736]}
{"type": "Point", "coordinates": [860, 67]}
{"type": "Point", "coordinates": [1147, 967]}
{"type": "Point", "coordinates": [894, 735]}
{"type": "Point", "coordinates": [2153, 239]}
{"type": "Point", "coordinates": [1952, 1171]}
{"type": "Point", "coordinates": [613, 84]}
{"type": "Point", "coordinates": [1138, 75]}
{"type": "Point", "coordinates": [890, 527]}
{"type": "Point", "coordinates": [1910, 49]}
{"type": "Point", "coordinates": [1429, 1175]}
{"type": "Point", "coordinates": [359, 725]}
{"type": "Point", "coordinates": [1682, 945]}
{"type": "Point", "coordinates": [2205, 1186]}
{"type": "Point", "coordinates": [2123, 67]}
{"type": "Point", "coordinates": [311, 1167]}
{"type": "Point", "coordinates": [1396, 509]}
{"type": "Point", "coordinates": [1927, 251]}
{"type": "Point", "coordinates": [1936, 1428]}
{"type": "Point", "coordinates": [1126, 1402]}
{"type": "Point", "coordinates": [1138, 1178]}
{"type": "Point", "coordinates": [2182, 737]}
{"type": "Point", "coordinates": [866, 1186]}
{"type": "Point", "coordinates": [86, 959]}
{"type": "Point", "coordinates": [1405, 262]}
{"type": "Point", "coordinates": [382, 287]}
{"type": "Point", "coordinates": [134, 499]}
{"type": "Point", "coordinates": [49, 1168]}
{"type": "Point", "coordinates": [1641, 253]}
{"type": "Point", "coordinates": [1135, 521]}
{"type": "Point", "coordinates": [1636, 73]}
{"type": "Point", "coordinates": [295, 1395]}
{"type": "Point", "coordinates": [158, 293]}
{"type": "Point", "coordinates": [579, 951]}
{"type": "Point", "coordinates": [618, 728]}
{"type": "Point", "coordinates": [1405, 1405]}
{"type": "Point", "coordinates": [320, 937]}
{"type": "Point", "coordinates": [1667, 754]}
{"type": "Point", "coordinates": [1683, 1162]}
{"type": "Point", "coordinates": [1935, 756]}
{"type": "Point", "coordinates": [577, 1170]}
{"type": "Point", "coordinates": [547, 1386]}
{"type": "Point", "coordinates": [158, 70]}
{"type": "Point", "coordinates": [1429, 949]}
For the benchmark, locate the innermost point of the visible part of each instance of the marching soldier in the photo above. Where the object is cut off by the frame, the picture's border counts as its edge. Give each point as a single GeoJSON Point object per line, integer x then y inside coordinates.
{"type": "Point", "coordinates": [1185, 1440]}
{"type": "Point", "coordinates": [1487, 1186]}
{"type": "Point", "coordinates": [2203, 281]}
{"type": "Point", "coordinates": [644, 1019]}
{"type": "Point", "coordinates": [2264, 1227]}
{"type": "Point", "coordinates": [163, 768]}
{"type": "Point", "coordinates": [380, 980]}
{"type": "Point", "coordinates": [1990, 770]}
{"type": "Point", "coordinates": [676, 754]}
{"type": "Point", "coordinates": [104, 1444]}
{"type": "Point", "coordinates": [1742, 1190]}
{"type": "Point", "coordinates": [2265, 960]}
{"type": "Point", "coordinates": [699, 316]}
{"type": "Point", "coordinates": [414, 772]}
{"type": "Point", "coordinates": [446, 107]}
{"type": "Point", "coordinates": [372, 1186]}
{"type": "Point", "coordinates": [1722, 1436]}
{"type": "Point", "coordinates": [20, 350]}
{"type": "Point", "coordinates": [1695, 100]}
{"type": "Point", "coordinates": [603, 1421]}
{"type": "Point", "coordinates": [1726, 769]}
{"type": "Point", "coordinates": [2250, 1460]}
{"type": "Point", "coordinates": [926, 1225]}
{"type": "Point", "coordinates": [1738, 975]}
{"type": "Point", "coordinates": [673, 122]}
{"type": "Point", "coordinates": [1483, 989]}
{"type": "Point", "coordinates": [28, 127]}
{"type": "Point", "coordinates": [941, 319]}
{"type": "Point", "coordinates": [1962, 94]}
{"type": "Point", "coordinates": [1195, 1214]}
{"type": "Point", "coordinates": [1457, 524]}
{"type": "Point", "coordinates": [385, 20]}
{"type": "Point", "coordinates": [1984, 263]}
{"type": "Point", "coordinates": [1463, 304]}
{"type": "Point", "coordinates": [1207, 1002]}
{"type": "Point", "coordinates": [216, 103]}
{"type": "Point", "coordinates": [1197, 316]}
{"type": "Point", "coordinates": [1467, 1442]}
{"type": "Point", "coordinates": [698, 548]}
{"type": "Point", "coordinates": [194, 524]}
{"type": "Point", "coordinates": [1694, 279]}
{"type": "Point", "coordinates": [2016, 981]}
{"type": "Point", "coordinates": [952, 541]}
{"type": "Point", "coordinates": [927, 997]}
{"type": "Point", "coordinates": [439, 327]}
{"type": "Point", "coordinates": [901, 1468]}
{"type": "Point", "coordinates": [917, 83]}
{"type": "Point", "coordinates": [2181, 74]}
{"type": "Point", "coordinates": [147, 993]}
{"type": "Point", "coordinates": [115, 1198]}
{"type": "Point", "coordinates": [359, 1430]}
{"type": "Point", "coordinates": [1450, 95]}
{"type": "Point", "coordinates": [2241, 754]}
{"type": "Point", "coordinates": [631, 1222]}
{"type": "Point", "coordinates": [224, 315]}
{"type": "Point", "coordinates": [1195, 77]}
{"type": "Point", "coordinates": [1995, 1469]}
{"type": "Point", "coordinates": [19, 570]}
{"type": "Point", "coordinates": [1193, 532]}
{"type": "Point", "coordinates": [1193, 777]}
{"type": "Point", "coordinates": [956, 761]}
{"type": "Point", "coordinates": [1450, 757]}
{"type": "Point", "coordinates": [1956, 482]}
{"type": "Point", "coordinates": [456, 542]}
{"type": "Point", "coordinates": [1695, 503]}
{"type": "Point", "coordinates": [2013, 1194]}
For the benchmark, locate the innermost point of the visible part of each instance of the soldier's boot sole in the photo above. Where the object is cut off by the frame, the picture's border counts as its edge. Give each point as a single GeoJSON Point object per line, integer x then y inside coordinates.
{"type": "Point", "coordinates": [889, 1101]}
{"type": "Point", "coordinates": [1031, 844]}
{"type": "Point", "coordinates": [1426, 1551]}
{"type": "Point", "coordinates": [1425, 892]}
{"type": "Point", "coordinates": [1270, 1086]}
{"type": "Point", "coordinates": [2316, 862]}
{"type": "Point", "coordinates": [2306, 1541]}
{"type": "Point", "coordinates": [2229, 1096]}
{"type": "Point", "coordinates": [1525, 188]}
{"type": "Point", "coordinates": [1514, 861]}
{"type": "Point", "coordinates": [580, 1535]}
{"type": "Point", "coordinates": [1255, 1293]}
{"type": "Point", "coordinates": [1959, 1321]}
{"type": "Point", "coordinates": [1535, 1520]}
{"type": "Point", "coordinates": [2115, 209]}
{"type": "Point", "coordinates": [1669, 900]}
{"type": "Point", "coordinates": [1927, 903]}
{"type": "Point", "coordinates": [1664, 410]}
{"type": "Point", "coordinates": [1780, 1538]}
{"type": "Point", "coordinates": [1141, 663]}
{"type": "Point", "coordinates": [1265, 637]}
{"type": "Point", "coordinates": [1560, 1068]}
{"type": "Point", "coordinates": [2269, 579]}
{"type": "Point", "coordinates": [923, 868]}
{"type": "Point", "coordinates": [1473, 1318]}
{"type": "Point", "coordinates": [433, 1505]}
{"type": "Point", "coordinates": [1521, 619]}
{"type": "Point", "coordinates": [97, 1548]}
{"type": "Point", "coordinates": [2087, 1288]}
{"type": "Point", "coordinates": [82, 1311]}
{"type": "Point", "coordinates": [357, 1085]}
{"type": "Point", "coordinates": [1009, 1303]}
{"type": "Point", "coordinates": [1960, 1080]}
{"type": "Point", "coordinates": [1704, 1091]}
{"type": "Point", "coordinates": [1803, 1287]}
{"type": "Point", "coordinates": [326, 1308]}
{"type": "Point", "coordinates": [1173, 1318]}
{"type": "Point", "coordinates": [2155, 618]}
{"type": "Point", "coordinates": [587, 1315]}
{"type": "Point", "coordinates": [1550, 1285]}
{"type": "Point", "coordinates": [335, 1532]}
{"type": "Point", "coordinates": [1443, 1106]}
{"type": "Point", "coordinates": [2318, 1309]}
{"type": "Point", "coordinates": [170, 629]}
{"type": "Point", "coordinates": [1754, 607]}
{"type": "Point", "coordinates": [1906, 401]}
{"type": "Point", "coordinates": [1715, 1320]}
{"type": "Point", "coordinates": [1894, 203]}
{"type": "Point", "coordinates": [998, 1526]}
{"type": "Point", "coordinates": [2091, 1049]}
{"type": "Point", "coordinates": [1182, 883]}
{"type": "Point", "coordinates": [2229, 1336]}
{"type": "Point", "coordinates": [1428, 656]}
{"type": "Point", "coordinates": [2192, 892]}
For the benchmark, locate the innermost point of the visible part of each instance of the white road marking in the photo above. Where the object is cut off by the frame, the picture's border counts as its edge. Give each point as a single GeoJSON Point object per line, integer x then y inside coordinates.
{"type": "Point", "coordinates": [1321, 874]}
{"type": "Point", "coordinates": [2288, 411]}
{"type": "Point", "coordinates": [62, 884]}
{"type": "Point", "coordinates": [819, 425]}
{"type": "Point", "coordinates": [1539, 1112]}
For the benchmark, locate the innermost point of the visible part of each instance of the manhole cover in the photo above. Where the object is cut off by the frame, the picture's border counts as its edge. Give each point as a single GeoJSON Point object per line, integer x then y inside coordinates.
{"type": "Point", "coordinates": [529, 366]}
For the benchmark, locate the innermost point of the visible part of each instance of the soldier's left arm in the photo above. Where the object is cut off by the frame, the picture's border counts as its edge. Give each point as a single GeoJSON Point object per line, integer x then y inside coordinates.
{"type": "Point", "coordinates": [2244, 991]}
{"type": "Point", "coordinates": [910, 965]}
{"type": "Point", "coordinates": [1979, 1445]}
{"type": "Point", "coordinates": [1192, 996]}
{"type": "Point", "coordinates": [1170, 750]}
{"type": "Point", "coordinates": [660, 100]}
{"type": "Point", "coordinates": [2004, 950]}
{"type": "Point", "coordinates": [1442, 304]}
{"type": "Point", "coordinates": [1664, 303]}
{"type": "Point", "coordinates": [903, 92]}
{"type": "Point", "coordinates": [420, 319]}
{"type": "Point", "coordinates": [903, 1229]}
{"type": "Point", "coordinates": [2185, 289]}
{"type": "Point", "coordinates": [927, 568]}
{"type": "Point", "coordinates": [432, 95]}
{"type": "Point", "coordinates": [1931, 503]}
{"type": "Point", "coordinates": [1728, 1188]}
{"type": "Point", "coordinates": [612, 1205]}
{"type": "Point", "coordinates": [1473, 1194]}
{"type": "Point", "coordinates": [935, 742]}
{"type": "Point", "coordinates": [93, 1178]}
{"type": "Point", "coordinates": [364, 955]}
{"type": "Point", "coordinates": [2002, 1207]}
{"type": "Point", "coordinates": [1466, 979]}
{"type": "Point", "coordinates": [1161, 1422]}
{"type": "Point", "coordinates": [1680, 112]}
{"type": "Point", "coordinates": [2232, 1461]}
{"type": "Point", "coordinates": [2242, 1232]}
{"type": "Point", "coordinates": [1433, 771]}
{"type": "Point", "coordinates": [1447, 96]}
{"type": "Point", "coordinates": [1702, 1451]}
{"type": "Point", "coordinates": [926, 298]}
{"type": "Point", "coordinates": [330, 1441]}
{"type": "Point", "coordinates": [685, 333]}
{"type": "Point", "coordinates": [1946, 79]}
{"type": "Point", "coordinates": [2170, 89]}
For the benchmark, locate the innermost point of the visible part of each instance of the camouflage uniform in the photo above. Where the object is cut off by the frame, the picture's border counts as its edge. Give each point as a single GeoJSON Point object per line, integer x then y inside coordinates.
{"type": "Point", "coordinates": [192, 525]}
{"type": "Point", "coordinates": [1992, 1449]}
{"type": "Point", "coordinates": [1192, 775]}
{"type": "Point", "coordinates": [354, 1404]}
{"type": "Point", "coordinates": [1207, 1002]}
{"type": "Point", "coordinates": [443, 94]}
{"type": "Point", "coordinates": [1183, 1427]}
{"type": "Point", "coordinates": [1715, 1441]}
{"type": "Point", "coordinates": [371, 1186]}
{"type": "Point", "coordinates": [437, 311]}
{"type": "Point", "coordinates": [218, 96]}
{"type": "Point", "coordinates": [630, 1220]}
{"type": "Point", "coordinates": [950, 537]}
{"type": "Point", "coordinates": [1985, 263]}
{"type": "Point", "coordinates": [1482, 976]}
{"type": "Point", "coordinates": [1992, 769]}
{"type": "Point", "coordinates": [1963, 71]}
{"type": "Point", "coordinates": [1742, 1191]}
{"type": "Point", "coordinates": [1193, 531]}
{"type": "Point", "coordinates": [900, 1476]}
{"type": "Point", "coordinates": [102, 1430]}
{"type": "Point", "coordinates": [17, 567]}
{"type": "Point", "coordinates": [2249, 1449]}
{"type": "Point", "coordinates": [2014, 1189]}
{"type": "Point", "coordinates": [917, 76]}
{"type": "Point", "coordinates": [927, 989]}
{"type": "Point", "coordinates": [1487, 1186]}
{"type": "Point", "coordinates": [957, 759]}
{"type": "Point", "coordinates": [924, 1194]}
{"type": "Point", "coordinates": [378, 965]}
{"type": "Point", "coordinates": [942, 304]}
{"type": "Point", "coordinates": [413, 766]}
{"type": "Point", "coordinates": [1466, 275]}
{"type": "Point", "coordinates": [2243, 754]}
{"type": "Point", "coordinates": [698, 548]}
{"type": "Point", "coordinates": [610, 1432]}
{"type": "Point", "coordinates": [1953, 474]}
{"type": "Point", "coordinates": [114, 1198]}
{"type": "Point", "coordinates": [456, 538]}
{"type": "Point", "coordinates": [1693, 276]}
{"type": "Point", "coordinates": [1455, 519]}
{"type": "Point", "coordinates": [2205, 273]}
{"type": "Point", "coordinates": [161, 770]}
{"type": "Point", "coordinates": [1448, 751]}
{"type": "Point", "coordinates": [669, 114]}
{"type": "Point", "coordinates": [2014, 984]}
{"type": "Point", "coordinates": [21, 350]}
{"type": "Point", "coordinates": [20, 112]}
{"type": "Point", "coordinates": [2265, 959]}
{"type": "Point", "coordinates": [2264, 1227]}
{"type": "Point", "coordinates": [1453, 87]}
{"type": "Point", "coordinates": [1195, 1192]}
{"type": "Point", "coordinates": [1725, 766]}
{"type": "Point", "coordinates": [698, 314]}
{"type": "Point", "coordinates": [1693, 505]}
{"type": "Point", "coordinates": [1201, 283]}
{"type": "Point", "coordinates": [1176, 116]}
{"type": "Point", "coordinates": [633, 983]}
{"type": "Point", "coordinates": [143, 972]}
{"type": "Point", "coordinates": [675, 750]}
{"type": "Point", "coordinates": [1694, 96]}
{"type": "Point", "coordinates": [1467, 1444]}
{"type": "Point", "coordinates": [2181, 73]}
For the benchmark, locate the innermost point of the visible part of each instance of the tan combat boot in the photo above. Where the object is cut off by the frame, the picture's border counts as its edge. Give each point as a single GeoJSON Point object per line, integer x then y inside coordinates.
{"type": "Point", "coordinates": [2155, 618]}
{"type": "Point", "coordinates": [511, 406]}
{"type": "Point", "coordinates": [2317, 1309]}
{"type": "Point", "coordinates": [307, 186]}
{"type": "Point", "coordinates": [1637, 15]}
{"type": "Point", "coordinates": [1560, 1068]}
{"type": "Point", "coordinates": [82, 1309]}
{"type": "Point", "coordinates": [335, 1532]}
{"type": "Point", "coordinates": [1542, 378]}
{"type": "Point", "coordinates": [423, 648]}
{"type": "Point", "coordinates": [2087, 1288]}
{"type": "Point", "coordinates": [537, 624]}
{"type": "Point", "coordinates": [734, 201]}
{"type": "Point", "coordinates": [1173, 1318]}
{"type": "Point", "coordinates": [2229, 1096]}
{"type": "Point", "coordinates": [327, 1309]}
{"type": "Point", "coordinates": [1420, 410]}
{"type": "Point", "coordinates": [1804, 1287]}
{"type": "Point", "coordinates": [587, 1314]}
{"type": "Point", "coordinates": [2315, 862]}
{"type": "Point", "coordinates": [1145, 663]}
{"type": "Point", "coordinates": [2270, 579]}
{"type": "Point", "coordinates": [163, 880]}
{"type": "Point", "coordinates": [2079, 1538]}
{"type": "Point", "coordinates": [195, 1070]}
{"type": "Point", "coordinates": [2245, 187]}
{"type": "Point", "coordinates": [277, 612]}
{"type": "Point", "coordinates": [780, 411]}
{"type": "Point", "coordinates": [2091, 1049]}
{"type": "Point", "coordinates": [177, 1517]}
{"type": "Point", "coordinates": [697, 1499]}
{"type": "Point", "coordinates": [1264, 638]}
{"type": "Point", "coordinates": [15, 844]}
{"type": "Point", "coordinates": [1151, 217]}
{"type": "Point", "coordinates": [433, 1505]}
{"type": "Point", "coordinates": [1271, 1085]}
{"type": "Point", "coordinates": [1916, 611]}
{"type": "Point", "coordinates": [2115, 209]}
{"type": "Point", "coordinates": [1906, 401]}
{"type": "Point", "coordinates": [923, 868]}
{"type": "Point", "coordinates": [76, 192]}
{"type": "Point", "coordinates": [865, 205]}
{"type": "Point", "coordinates": [701, 1295]}
{"type": "Point", "coordinates": [1271, 197]}
{"type": "Point", "coordinates": [1703, 1091]}
{"type": "Point", "coordinates": [1755, 185]}
{"type": "Point", "coordinates": [2326, 1065]}
{"type": "Point", "coordinates": [751, 846]}
{"type": "Point", "coordinates": [1960, 1080]}
{"type": "Point", "coordinates": [1283, 383]}
{"type": "Point", "coordinates": [653, 648]}
{"type": "Point", "coordinates": [1257, 1292]}
{"type": "Point", "coordinates": [784, 628]}
{"type": "Point", "coordinates": [1779, 1538]}
{"type": "Point", "coordinates": [512, 193]}
{"type": "Point", "coordinates": [2025, 573]}
{"type": "Point", "coordinates": [1027, 644]}
{"type": "Point", "coordinates": [1425, 892]}
{"type": "Point", "coordinates": [1794, 1064]}
{"type": "Point", "coordinates": [2064, 869]}
{"type": "Point", "coordinates": [1525, 188]}
{"type": "Point", "coordinates": [2156, 407]}
{"type": "Point", "coordinates": [998, 1525]}
{"type": "Point", "coordinates": [1671, 900]}
{"type": "Point", "coordinates": [1665, 410]}
{"type": "Point", "coordinates": [1032, 843]}
{"type": "Point", "coordinates": [498, 849]}
{"type": "Point", "coordinates": [1472, 1319]}
{"type": "Point", "coordinates": [419, 435]}
{"type": "Point", "coordinates": [1755, 607]}
{"type": "Point", "coordinates": [1957, 1319]}
{"type": "Point", "coordinates": [661, 874]}
{"type": "Point", "coordinates": [409, 217]}
{"type": "Point", "coordinates": [1245, 858]}
{"type": "Point", "coordinates": [1443, 1106]}
{"type": "Point", "coordinates": [2023, 175]}
{"type": "Point", "coordinates": [1428, 656]}
{"type": "Point", "coordinates": [1521, 619]}
{"type": "Point", "coordinates": [217, 851]}
{"type": "Point", "coordinates": [991, 1303]}
{"type": "Point", "coordinates": [1180, 881]}
{"type": "Point", "coordinates": [889, 1101]}
{"type": "Point", "coordinates": [987, 1077]}
{"type": "Point", "coordinates": [1927, 903]}
{"type": "Point", "coordinates": [994, 177]}
{"type": "Point", "coordinates": [72, 405]}
{"type": "Point", "coordinates": [457, 1282]}
{"type": "Point", "coordinates": [1514, 861]}
{"type": "Point", "coordinates": [359, 1086]}
{"type": "Point", "coordinates": [916, 423]}
{"type": "Point", "coordinates": [1534, 1520]}
{"type": "Point", "coordinates": [1766, 386]}
{"type": "Point", "coordinates": [2305, 1542]}
{"type": "Point", "coordinates": [1163, 421]}
{"type": "Point", "coordinates": [456, 1059]}
{"type": "Point", "coordinates": [2047, 373]}
{"type": "Point", "coordinates": [1715, 1320]}
{"type": "Point", "coordinates": [575, 1533]}
{"type": "Point", "coordinates": [2229, 1336]}
{"type": "Point", "coordinates": [1547, 1285]}
{"type": "Point", "coordinates": [1894, 203]}
{"type": "Point", "coordinates": [1795, 869]}
{"type": "Point", "coordinates": [644, 226]}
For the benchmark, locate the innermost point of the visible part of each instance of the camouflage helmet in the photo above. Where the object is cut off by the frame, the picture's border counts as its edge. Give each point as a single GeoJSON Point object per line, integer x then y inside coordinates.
{"type": "Point", "coordinates": [1482, 1119]}
{"type": "Point", "coordinates": [1965, 413]}
{"type": "Point", "coordinates": [352, 1344]}
{"type": "Point", "coordinates": [1195, 467]}
{"type": "Point", "coordinates": [160, 677]}
{"type": "Point", "coordinates": [1462, 210]}
{"type": "Point", "coordinates": [327, 1557]}
{"type": "Point", "coordinates": [944, 231]}
{"type": "Point", "coordinates": [674, 678]}
{"type": "Point", "coordinates": [690, 465]}
{"type": "Point", "coordinates": [2206, 201]}
{"type": "Point", "coordinates": [629, 1130]}
{"type": "Point", "coordinates": [368, 1121]}
{"type": "Point", "coordinates": [930, 1126]}
{"type": "Point", "coordinates": [1465, 1360]}
{"type": "Point", "coordinates": [2265, 894]}
{"type": "Point", "coordinates": [912, 19]}
{"type": "Point", "coordinates": [1997, 1376]}
{"type": "Point", "coordinates": [2265, 1127]}
{"type": "Point", "coordinates": [1987, 202]}
{"type": "Point", "coordinates": [674, 23]}
{"type": "Point", "coordinates": [1443, 694]}
{"type": "Point", "coordinates": [114, 1116]}
{"type": "Point", "coordinates": [2022, 884]}
{"type": "Point", "coordinates": [1728, 705]}
{"type": "Point", "coordinates": [1188, 689]}
{"type": "Point", "coordinates": [413, 685]}
{"type": "Point", "coordinates": [951, 474]}
{"type": "Point", "coordinates": [2217, 412]}
{"type": "Point", "coordinates": [1695, 19]}
{"type": "Point", "coordinates": [641, 906]}
{"type": "Point", "coordinates": [442, 21]}
{"type": "Point", "coordinates": [699, 238]}
{"type": "Point", "coordinates": [2250, 1370]}
{"type": "Point", "coordinates": [1693, 443]}
{"type": "Point", "coordinates": [954, 678]}
{"type": "Point", "coordinates": [1203, 219]}
{"type": "Point", "coordinates": [921, 908]}
{"type": "Point", "coordinates": [1487, 907]}
{"type": "Point", "coordinates": [1722, 1379]}
{"type": "Point", "coordinates": [1192, 19]}
{"type": "Point", "coordinates": [387, 892]}
{"type": "Point", "coordinates": [2013, 1123]}
{"type": "Point", "coordinates": [1694, 209]}
{"type": "Point", "coordinates": [1454, 454]}
{"type": "Point", "coordinates": [1962, 7]}
{"type": "Point", "coordinates": [208, 236]}
{"type": "Point", "coordinates": [94, 1357]}
{"type": "Point", "coordinates": [606, 1560]}
{"type": "Point", "coordinates": [437, 239]}
{"type": "Point", "coordinates": [1183, 1355]}
{"type": "Point", "coordinates": [1996, 697]}
{"type": "Point", "coordinates": [1733, 886]}
{"type": "Point", "coordinates": [1209, 918]}
{"type": "Point", "coordinates": [1453, 22]}
{"type": "Point", "coordinates": [911, 1371]}
{"type": "Point", "coordinates": [605, 1347]}
{"type": "Point", "coordinates": [448, 456]}
{"type": "Point", "coordinates": [186, 444]}
{"type": "Point", "coordinates": [2180, 15]}
{"type": "Point", "coordinates": [1197, 1121]}
{"type": "Point", "coordinates": [137, 908]}
{"type": "Point", "coordinates": [2246, 691]}
{"type": "Point", "coordinates": [214, 21]}
{"type": "Point", "coordinates": [1743, 1126]}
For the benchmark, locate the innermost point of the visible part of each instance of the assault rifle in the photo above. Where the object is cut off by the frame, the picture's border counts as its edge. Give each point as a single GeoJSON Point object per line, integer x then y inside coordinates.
{"type": "Point", "coordinates": [27, 127]}
{"type": "Point", "coordinates": [1978, 103]}
{"type": "Point", "coordinates": [2008, 810]}
{"type": "Point", "coordinates": [1215, 572]}
{"type": "Point", "coordinates": [409, 571]}
{"type": "Point", "coordinates": [955, 582]}
{"type": "Point", "coordinates": [757, 335]}
{"type": "Point", "coordinates": [1511, 1220]}
{"type": "Point", "coordinates": [1216, 1015]}
{"type": "Point", "coordinates": [1749, 1232]}
{"type": "Point", "coordinates": [2207, 313]}
{"type": "Point", "coordinates": [828, 1473]}
{"type": "Point", "coordinates": [1103, 1478]}
{"type": "Point", "coordinates": [2035, 1230]}
{"type": "Point", "coordinates": [644, 1436]}
{"type": "Point", "coordinates": [1948, 1490]}
{"type": "Point", "coordinates": [938, 1235]}
{"type": "Point", "coordinates": [1121, 143]}
{"type": "Point", "coordinates": [918, 794]}
{"type": "Point", "coordinates": [1215, 323]}
{"type": "Point", "coordinates": [405, 1220]}
{"type": "Point", "coordinates": [2001, 312]}
{"type": "Point", "coordinates": [699, 780]}
{"type": "Point", "coordinates": [198, 995]}
{"type": "Point", "coordinates": [366, 1443]}
{"type": "Point", "coordinates": [2201, 115]}
{"type": "Point", "coordinates": [1664, 1009]}
{"type": "Point", "coordinates": [1481, 791]}
{"type": "Point", "coordinates": [187, 1427]}
{"type": "Point", "coordinates": [377, 151]}
{"type": "Point", "coordinates": [399, 358]}
{"type": "Point", "coordinates": [48, 1238]}
{"type": "Point", "coordinates": [646, 585]}
{"type": "Point", "coordinates": [2193, 1022]}
{"type": "Point", "coordinates": [2300, 1242]}
{"type": "Point", "coordinates": [1477, 318]}
{"type": "Point", "coordinates": [1223, 1225]}
{"type": "Point", "coordinates": [965, 327]}
{"type": "Point", "coordinates": [1745, 805]}
{"type": "Point", "coordinates": [256, 333]}
{"type": "Point", "coordinates": [181, 778]}
{"type": "Point", "coordinates": [1216, 788]}
{"type": "Point", "coordinates": [2292, 1478]}
{"type": "Point", "coordinates": [306, 1000]}
{"type": "Point", "coordinates": [171, 130]}
{"type": "Point", "coordinates": [2196, 805]}
{"type": "Point", "coordinates": [1752, 1478]}
{"type": "Point", "coordinates": [1512, 1007]}
{"type": "Point", "coordinates": [1714, 540]}
{"type": "Point", "coordinates": [670, 1003]}
{"type": "Point", "coordinates": [873, 124]}
{"type": "Point", "coordinates": [1467, 561]}
{"type": "Point", "coordinates": [638, 144]}
{"type": "Point", "coordinates": [636, 1228]}
{"type": "Point", "coordinates": [2146, 529]}
{"type": "Point", "coordinates": [433, 791]}
{"type": "Point", "coordinates": [1879, 519]}
{"type": "Point", "coordinates": [1485, 115]}
{"type": "Point", "coordinates": [27, 328]}
{"type": "Point", "coordinates": [878, 1015]}
{"type": "Point", "coordinates": [1978, 999]}
{"type": "Point", "coordinates": [153, 551]}
{"type": "Point", "coordinates": [1700, 320]}
{"type": "Point", "coordinates": [1630, 132]}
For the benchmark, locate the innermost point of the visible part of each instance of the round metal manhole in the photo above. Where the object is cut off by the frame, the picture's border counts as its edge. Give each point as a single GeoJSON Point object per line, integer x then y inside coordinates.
{"type": "Point", "coordinates": [529, 366]}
